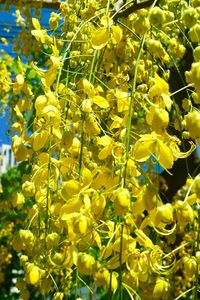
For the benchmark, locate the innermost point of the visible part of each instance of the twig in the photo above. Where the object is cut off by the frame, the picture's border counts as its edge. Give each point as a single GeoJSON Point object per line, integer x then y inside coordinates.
{"type": "Point", "coordinates": [134, 7]}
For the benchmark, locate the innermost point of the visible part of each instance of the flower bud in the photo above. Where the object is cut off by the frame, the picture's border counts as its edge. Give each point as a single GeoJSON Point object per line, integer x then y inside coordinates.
{"type": "Point", "coordinates": [27, 238]}
{"type": "Point", "coordinates": [165, 214]}
{"type": "Point", "coordinates": [80, 224]}
{"type": "Point", "coordinates": [98, 203]}
{"type": "Point", "coordinates": [58, 258]}
{"type": "Point", "coordinates": [28, 189]}
{"type": "Point", "coordinates": [32, 274]}
{"type": "Point", "coordinates": [155, 48]}
{"type": "Point", "coordinates": [23, 259]}
{"type": "Point", "coordinates": [87, 105]}
{"type": "Point", "coordinates": [190, 16]}
{"type": "Point", "coordinates": [194, 33]}
{"type": "Point", "coordinates": [85, 263]}
{"type": "Point", "coordinates": [58, 296]}
{"type": "Point", "coordinates": [141, 25]}
{"type": "Point", "coordinates": [102, 278]}
{"type": "Point", "coordinates": [70, 188]}
{"type": "Point", "coordinates": [17, 199]}
{"type": "Point", "coordinates": [52, 239]}
{"type": "Point", "coordinates": [193, 124]}
{"type": "Point", "coordinates": [184, 212]}
{"type": "Point", "coordinates": [190, 265]}
{"type": "Point", "coordinates": [156, 16]}
{"type": "Point", "coordinates": [54, 20]}
{"type": "Point", "coordinates": [121, 201]}
{"type": "Point", "coordinates": [196, 53]}
{"type": "Point", "coordinates": [160, 289]}
{"type": "Point", "coordinates": [160, 119]}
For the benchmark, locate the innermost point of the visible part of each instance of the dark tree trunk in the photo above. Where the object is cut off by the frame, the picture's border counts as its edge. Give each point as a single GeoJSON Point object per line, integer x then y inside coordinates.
{"type": "Point", "coordinates": [182, 167]}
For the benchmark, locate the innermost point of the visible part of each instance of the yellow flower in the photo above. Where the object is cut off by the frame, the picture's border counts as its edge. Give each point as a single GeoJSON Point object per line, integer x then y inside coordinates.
{"type": "Point", "coordinates": [151, 144]}
{"type": "Point", "coordinates": [85, 263]}
{"type": "Point", "coordinates": [121, 201]}
{"type": "Point", "coordinates": [18, 199]}
{"type": "Point", "coordinates": [21, 152]}
{"type": "Point", "coordinates": [190, 265]}
{"type": "Point", "coordinates": [109, 32]}
{"type": "Point", "coordinates": [160, 89]}
{"type": "Point", "coordinates": [158, 118]}
{"type": "Point", "coordinates": [100, 38]}
{"type": "Point", "coordinates": [32, 274]}
{"type": "Point", "coordinates": [39, 139]}
{"type": "Point", "coordinates": [70, 188]}
{"type": "Point", "coordinates": [143, 239]}
{"type": "Point", "coordinates": [184, 213]}
{"type": "Point", "coordinates": [102, 277]}
{"type": "Point", "coordinates": [161, 288]}
{"type": "Point", "coordinates": [164, 214]}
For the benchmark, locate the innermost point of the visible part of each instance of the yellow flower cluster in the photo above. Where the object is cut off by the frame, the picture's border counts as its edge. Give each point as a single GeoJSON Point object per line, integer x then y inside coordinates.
{"type": "Point", "coordinates": [6, 235]}
{"type": "Point", "coordinates": [5, 64]}
{"type": "Point", "coordinates": [101, 117]}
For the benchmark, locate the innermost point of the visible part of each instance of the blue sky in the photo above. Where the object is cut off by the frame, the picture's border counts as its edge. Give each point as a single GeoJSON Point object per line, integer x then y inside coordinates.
{"type": "Point", "coordinates": [9, 30]}
{"type": "Point", "coordinates": [4, 138]}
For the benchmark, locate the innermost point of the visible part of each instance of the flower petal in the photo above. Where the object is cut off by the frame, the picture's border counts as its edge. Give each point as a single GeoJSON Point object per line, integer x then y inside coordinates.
{"type": "Point", "coordinates": [100, 38]}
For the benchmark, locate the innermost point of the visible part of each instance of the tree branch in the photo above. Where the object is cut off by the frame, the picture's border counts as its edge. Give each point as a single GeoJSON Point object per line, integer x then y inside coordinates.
{"type": "Point", "coordinates": [35, 3]}
{"type": "Point", "coordinates": [134, 7]}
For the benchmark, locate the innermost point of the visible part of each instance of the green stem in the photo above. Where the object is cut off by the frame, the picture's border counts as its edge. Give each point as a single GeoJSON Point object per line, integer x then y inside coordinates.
{"type": "Point", "coordinates": [131, 106]}
{"type": "Point", "coordinates": [48, 186]}
{"type": "Point", "coordinates": [91, 79]}
{"type": "Point", "coordinates": [110, 283]}
{"type": "Point", "coordinates": [197, 248]}
{"type": "Point", "coordinates": [66, 106]}
{"type": "Point", "coordinates": [108, 6]}
{"type": "Point", "coordinates": [130, 113]}
{"type": "Point", "coordinates": [76, 283]}
{"type": "Point", "coordinates": [184, 293]}
{"type": "Point", "coordinates": [69, 46]}
{"type": "Point", "coordinates": [81, 147]}
{"type": "Point", "coordinates": [120, 267]}
{"type": "Point", "coordinates": [93, 67]}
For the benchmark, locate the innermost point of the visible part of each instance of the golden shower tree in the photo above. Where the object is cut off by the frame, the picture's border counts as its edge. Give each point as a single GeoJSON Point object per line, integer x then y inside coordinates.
{"type": "Point", "coordinates": [109, 96]}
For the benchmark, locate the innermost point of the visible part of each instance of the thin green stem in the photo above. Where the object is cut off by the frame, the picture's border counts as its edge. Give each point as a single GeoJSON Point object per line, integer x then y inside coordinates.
{"type": "Point", "coordinates": [66, 105]}
{"type": "Point", "coordinates": [92, 71]}
{"type": "Point", "coordinates": [120, 267]}
{"type": "Point", "coordinates": [91, 79]}
{"type": "Point", "coordinates": [112, 238]}
{"type": "Point", "coordinates": [69, 46]}
{"type": "Point", "coordinates": [108, 6]}
{"type": "Point", "coordinates": [131, 31]}
{"type": "Point", "coordinates": [76, 283]}
{"type": "Point", "coordinates": [81, 146]}
{"type": "Point", "coordinates": [197, 248]}
{"type": "Point", "coordinates": [130, 113]}
{"type": "Point", "coordinates": [183, 294]}
{"type": "Point", "coordinates": [48, 186]}
{"type": "Point", "coordinates": [121, 8]}
{"type": "Point", "coordinates": [131, 107]}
